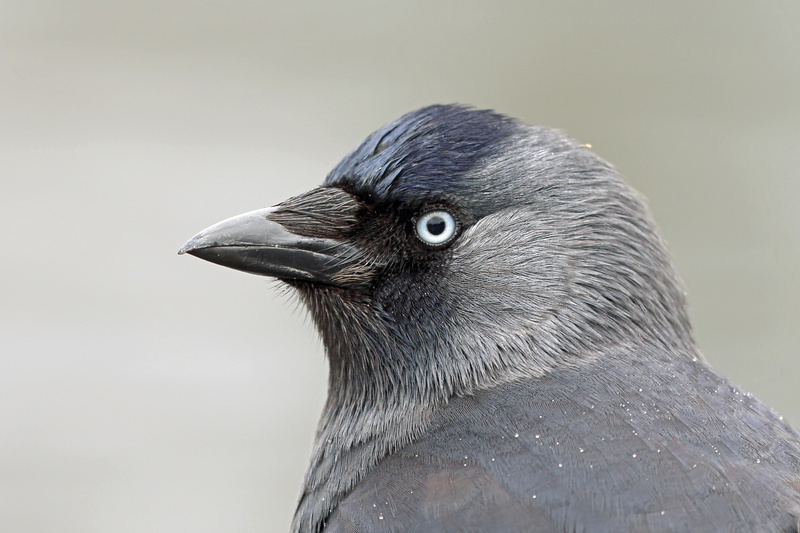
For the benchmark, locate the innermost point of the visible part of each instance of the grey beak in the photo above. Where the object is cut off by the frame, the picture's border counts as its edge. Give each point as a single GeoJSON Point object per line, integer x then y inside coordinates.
{"type": "Point", "coordinates": [253, 243]}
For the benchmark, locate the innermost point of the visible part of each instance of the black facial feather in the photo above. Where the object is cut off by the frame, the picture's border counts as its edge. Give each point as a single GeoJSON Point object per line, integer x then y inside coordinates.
{"type": "Point", "coordinates": [324, 213]}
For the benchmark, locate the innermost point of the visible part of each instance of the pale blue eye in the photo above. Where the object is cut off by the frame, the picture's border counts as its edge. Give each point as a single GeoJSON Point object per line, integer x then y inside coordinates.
{"type": "Point", "coordinates": [436, 227]}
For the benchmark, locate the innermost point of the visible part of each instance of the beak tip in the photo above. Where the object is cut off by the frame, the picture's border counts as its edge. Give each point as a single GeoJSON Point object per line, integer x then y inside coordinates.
{"type": "Point", "coordinates": [189, 247]}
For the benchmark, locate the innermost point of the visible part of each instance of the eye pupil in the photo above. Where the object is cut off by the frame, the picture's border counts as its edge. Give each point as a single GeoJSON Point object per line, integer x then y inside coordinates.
{"type": "Point", "coordinates": [436, 225]}
{"type": "Point", "coordinates": [436, 228]}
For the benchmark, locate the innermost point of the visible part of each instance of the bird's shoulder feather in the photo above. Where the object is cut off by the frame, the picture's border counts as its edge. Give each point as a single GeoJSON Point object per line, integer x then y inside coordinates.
{"type": "Point", "coordinates": [593, 448]}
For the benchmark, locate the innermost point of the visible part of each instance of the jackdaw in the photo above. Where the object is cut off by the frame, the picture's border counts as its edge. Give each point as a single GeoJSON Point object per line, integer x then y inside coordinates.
{"type": "Point", "coordinates": [509, 345]}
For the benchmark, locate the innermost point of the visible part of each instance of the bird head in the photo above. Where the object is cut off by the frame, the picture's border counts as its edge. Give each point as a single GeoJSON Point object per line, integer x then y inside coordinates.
{"type": "Point", "coordinates": [456, 248]}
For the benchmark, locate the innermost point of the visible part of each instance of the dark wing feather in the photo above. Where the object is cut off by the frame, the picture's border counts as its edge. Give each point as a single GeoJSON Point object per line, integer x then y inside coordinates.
{"type": "Point", "coordinates": [432, 494]}
{"type": "Point", "coordinates": [590, 449]}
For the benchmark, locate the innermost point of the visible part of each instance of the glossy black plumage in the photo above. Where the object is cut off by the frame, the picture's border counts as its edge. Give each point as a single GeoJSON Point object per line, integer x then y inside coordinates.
{"type": "Point", "coordinates": [536, 374]}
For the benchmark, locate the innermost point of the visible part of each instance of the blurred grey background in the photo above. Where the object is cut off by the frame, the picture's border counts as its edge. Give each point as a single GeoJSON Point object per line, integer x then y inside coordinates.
{"type": "Point", "coordinates": [143, 391]}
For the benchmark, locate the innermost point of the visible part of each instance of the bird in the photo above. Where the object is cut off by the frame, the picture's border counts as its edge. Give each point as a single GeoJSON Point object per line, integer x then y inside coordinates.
{"type": "Point", "coordinates": [508, 343]}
